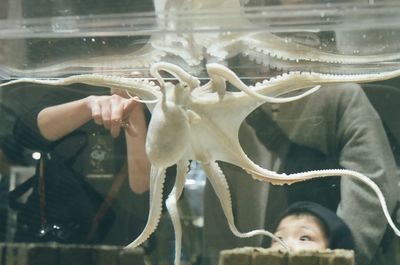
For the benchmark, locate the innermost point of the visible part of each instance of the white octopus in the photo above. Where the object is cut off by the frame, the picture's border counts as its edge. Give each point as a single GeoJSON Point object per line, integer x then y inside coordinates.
{"type": "Point", "coordinates": [191, 121]}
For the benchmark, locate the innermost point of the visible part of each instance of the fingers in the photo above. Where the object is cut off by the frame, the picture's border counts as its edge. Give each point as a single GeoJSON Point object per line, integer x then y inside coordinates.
{"type": "Point", "coordinates": [130, 110]}
{"type": "Point", "coordinates": [117, 119]}
{"type": "Point", "coordinates": [106, 111]}
{"type": "Point", "coordinates": [113, 113]}
{"type": "Point", "coordinates": [101, 110]}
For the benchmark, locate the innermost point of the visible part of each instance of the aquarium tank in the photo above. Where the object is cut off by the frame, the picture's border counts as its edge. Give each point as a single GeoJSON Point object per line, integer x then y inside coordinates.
{"type": "Point", "coordinates": [167, 131]}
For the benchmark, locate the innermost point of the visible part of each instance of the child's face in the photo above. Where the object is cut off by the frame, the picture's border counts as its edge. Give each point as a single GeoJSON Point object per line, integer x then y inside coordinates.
{"type": "Point", "coordinates": [301, 232]}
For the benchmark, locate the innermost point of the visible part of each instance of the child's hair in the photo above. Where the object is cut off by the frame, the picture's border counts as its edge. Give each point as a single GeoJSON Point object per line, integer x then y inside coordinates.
{"type": "Point", "coordinates": [336, 230]}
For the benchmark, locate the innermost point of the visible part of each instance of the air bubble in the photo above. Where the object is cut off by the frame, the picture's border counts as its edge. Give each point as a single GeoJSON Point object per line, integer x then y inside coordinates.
{"type": "Point", "coordinates": [287, 40]}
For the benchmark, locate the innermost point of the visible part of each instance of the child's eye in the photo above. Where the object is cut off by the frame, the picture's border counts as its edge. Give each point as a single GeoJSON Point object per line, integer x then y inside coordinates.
{"type": "Point", "coordinates": [305, 238]}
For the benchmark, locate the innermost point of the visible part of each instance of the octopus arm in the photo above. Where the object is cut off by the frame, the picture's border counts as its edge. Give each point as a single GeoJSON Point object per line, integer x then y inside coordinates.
{"type": "Point", "coordinates": [296, 81]}
{"type": "Point", "coordinates": [268, 90]}
{"type": "Point", "coordinates": [221, 188]}
{"type": "Point", "coordinates": [142, 88]}
{"type": "Point", "coordinates": [171, 203]}
{"type": "Point", "coordinates": [157, 179]}
{"type": "Point", "coordinates": [274, 46]}
{"type": "Point", "coordinates": [353, 174]}
{"type": "Point", "coordinates": [217, 72]}
{"type": "Point", "coordinates": [174, 70]}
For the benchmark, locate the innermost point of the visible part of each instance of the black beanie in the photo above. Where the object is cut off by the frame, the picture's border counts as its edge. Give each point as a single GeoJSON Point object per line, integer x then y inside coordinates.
{"type": "Point", "coordinates": [338, 233]}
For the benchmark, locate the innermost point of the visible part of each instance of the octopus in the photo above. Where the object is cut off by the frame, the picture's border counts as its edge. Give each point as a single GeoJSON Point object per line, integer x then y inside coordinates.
{"type": "Point", "coordinates": [194, 121]}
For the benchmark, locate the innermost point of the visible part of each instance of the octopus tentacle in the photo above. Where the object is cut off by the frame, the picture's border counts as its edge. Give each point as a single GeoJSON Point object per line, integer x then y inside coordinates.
{"type": "Point", "coordinates": [297, 177]}
{"type": "Point", "coordinates": [176, 71]}
{"type": "Point", "coordinates": [292, 81]}
{"type": "Point", "coordinates": [221, 71]}
{"type": "Point", "coordinates": [276, 47]}
{"type": "Point", "coordinates": [172, 207]}
{"type": "Point", "coordinates": [143, 88]}
{"type": "Point", "coordinates": [157, 179]}
{"type": "Point", "coordinates": [268, 46]}
{"type": "Point", "coordinates": [275, 64]}
{"type": "Point", "coordinates": [221, 188]}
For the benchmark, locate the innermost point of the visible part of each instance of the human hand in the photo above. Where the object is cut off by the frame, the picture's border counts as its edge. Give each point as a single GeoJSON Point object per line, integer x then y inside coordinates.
{"type": "Point", "coordinates": [114, 112]}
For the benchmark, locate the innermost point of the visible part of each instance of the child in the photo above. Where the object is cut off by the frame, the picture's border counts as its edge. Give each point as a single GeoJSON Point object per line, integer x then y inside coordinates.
{"type": "Point", "coordinates": [309, 226]}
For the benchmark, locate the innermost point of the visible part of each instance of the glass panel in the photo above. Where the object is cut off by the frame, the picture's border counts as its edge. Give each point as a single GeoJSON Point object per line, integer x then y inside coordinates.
{"type": "Point", "coordinates": [135, 121]}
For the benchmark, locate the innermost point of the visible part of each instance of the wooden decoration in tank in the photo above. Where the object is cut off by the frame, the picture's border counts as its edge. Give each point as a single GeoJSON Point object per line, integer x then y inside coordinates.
{"type": "Point", "coordinates": [262, 256]}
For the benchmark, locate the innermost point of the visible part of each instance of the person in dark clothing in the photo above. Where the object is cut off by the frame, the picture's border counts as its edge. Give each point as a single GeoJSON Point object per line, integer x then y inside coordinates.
{"type": "Point", "coordinates": [92, 134]}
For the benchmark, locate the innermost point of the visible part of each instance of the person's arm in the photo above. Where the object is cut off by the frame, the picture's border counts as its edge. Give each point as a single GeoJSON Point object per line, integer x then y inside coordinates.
{"type": "Point", "coordinates": [139, 165]}
{"type": "Point", "coordinates": [57, 121]}
{"type": "Point", "coordinates": [110, 111]}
